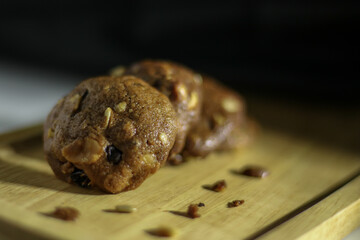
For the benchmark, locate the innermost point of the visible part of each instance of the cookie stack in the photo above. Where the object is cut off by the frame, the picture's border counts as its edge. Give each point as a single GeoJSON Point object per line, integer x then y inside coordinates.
{"type": "Point", "coordinates": [113, 132]}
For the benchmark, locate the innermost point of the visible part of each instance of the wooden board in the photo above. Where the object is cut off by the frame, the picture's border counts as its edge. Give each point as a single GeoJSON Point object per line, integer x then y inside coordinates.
{"type": "Point", "coordinates": [313, 192]}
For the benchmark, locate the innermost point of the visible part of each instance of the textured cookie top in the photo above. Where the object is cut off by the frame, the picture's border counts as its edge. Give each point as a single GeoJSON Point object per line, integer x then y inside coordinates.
{"type": "Point", "coordinates": [118, 130]}
{"type": "Point", "coordinates": [181, 85]}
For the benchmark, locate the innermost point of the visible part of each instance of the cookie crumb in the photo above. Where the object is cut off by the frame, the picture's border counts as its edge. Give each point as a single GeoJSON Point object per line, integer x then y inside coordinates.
{"type": "Point", "coordinates": [125, 208]}
{"type": "Point", "coordinates": [192, 211]}
{"type": "Point", "coordinates": [235, 203]}
{"type": "Point", "coordinates": [65, 213]}
{"type": "Point", "coordinates": [163, 231]}
{"type": "Point", "coordinates": [255, 171]}
{"type": "Point", "coordinates": [219, 186]}
{"type": "Point", "coordinates": [201, 204]}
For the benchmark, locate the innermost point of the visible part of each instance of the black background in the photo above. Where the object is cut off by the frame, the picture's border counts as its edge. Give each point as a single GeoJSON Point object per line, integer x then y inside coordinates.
{"type": "Point", "coordinates": [286, 49]}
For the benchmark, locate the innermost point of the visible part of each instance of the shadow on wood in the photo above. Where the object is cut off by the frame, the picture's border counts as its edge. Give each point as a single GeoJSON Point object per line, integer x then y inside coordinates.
{"type": "Point", "coordinates": [16, 174]}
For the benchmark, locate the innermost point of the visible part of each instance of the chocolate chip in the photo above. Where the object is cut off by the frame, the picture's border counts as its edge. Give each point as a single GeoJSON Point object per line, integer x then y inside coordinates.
{"type": "Point", "coordinates": [201, 204]}
{"type": "Point", "coordinates": [114, 155]}
{"type": "Point", "coordinates": [79, 177]}
{"type": "Point", "coordinates": [254, 171]}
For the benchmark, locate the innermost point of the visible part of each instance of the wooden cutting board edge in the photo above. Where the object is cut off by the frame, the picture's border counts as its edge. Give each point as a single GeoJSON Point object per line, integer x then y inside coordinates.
{"type": "Point", "coordinates": [332, 218]}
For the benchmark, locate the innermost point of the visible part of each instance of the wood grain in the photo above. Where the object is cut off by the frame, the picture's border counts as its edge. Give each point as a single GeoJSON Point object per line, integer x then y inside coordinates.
{"type": "Point", "coordinates": [340, 211]}
{"type": "Point", "coordinates": [301, 172]}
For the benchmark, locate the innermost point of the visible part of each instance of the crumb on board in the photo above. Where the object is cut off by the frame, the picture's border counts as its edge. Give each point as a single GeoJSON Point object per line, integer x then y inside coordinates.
{"type": "Point", "coordinates": [201, 204]}
{"type": "Point", "coordinates": [163, 231]}
{"type": "Point", "coordinates": [255, 171]}
{"type": "Point", "coordinates": [192, 211]}
{"type": "Point", "coordinates": [125, 209]}
{"type": "Point", "coordinates": [235, 203]}
{"type": "Point", "coordinates": [219, 186]}
{"type": "Point", "coordinates": [65, 213]}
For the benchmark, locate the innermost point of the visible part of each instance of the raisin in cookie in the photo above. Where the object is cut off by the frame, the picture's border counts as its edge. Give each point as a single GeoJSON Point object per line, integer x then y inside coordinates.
{"type": "Point", "coordinates": [184, 89]}
{"type": "Point", "coordinates": [222, 117]}
{"type": "Point", "coordinates": [110, 132]}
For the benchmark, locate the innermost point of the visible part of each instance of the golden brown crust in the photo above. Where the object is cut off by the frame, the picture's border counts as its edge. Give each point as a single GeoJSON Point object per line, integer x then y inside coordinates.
{"type": "Point", "coordinates": [112, 129]}
{"type": "Point", "coordinates": [182, 86]}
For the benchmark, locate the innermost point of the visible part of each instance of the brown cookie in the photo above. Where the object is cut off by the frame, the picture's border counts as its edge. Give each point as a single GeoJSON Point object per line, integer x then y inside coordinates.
{"type": "Point", "coordinates": [241, 136]}
{"type": "Point", "coordinates": [222, 118]}
{"type": "Point", "coordinates": [110, 132]}
{"type": "Point", "coordinates": [182, 86]}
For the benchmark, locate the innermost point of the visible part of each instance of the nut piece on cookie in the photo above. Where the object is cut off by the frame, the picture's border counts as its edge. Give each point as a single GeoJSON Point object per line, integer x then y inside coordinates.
{"type": "Point", "coordinates": [106, 145]}
{"type": "Point", "coordinates": [182, 86]}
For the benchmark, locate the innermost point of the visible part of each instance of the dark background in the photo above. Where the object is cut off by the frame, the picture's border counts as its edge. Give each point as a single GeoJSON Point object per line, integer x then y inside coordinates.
{"type": "Point", "coordinates": [286, 49]}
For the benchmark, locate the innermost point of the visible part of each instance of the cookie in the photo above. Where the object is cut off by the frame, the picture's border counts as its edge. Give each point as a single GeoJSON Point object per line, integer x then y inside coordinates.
{"type": "Point", "coordinates": [184, 89]}
{"type": "Point", "coordinates": [222, 118]}
{"type": "Point", "coordinates": [241, 136]}
{"type": "Point", "coordinates": [110, 132]}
